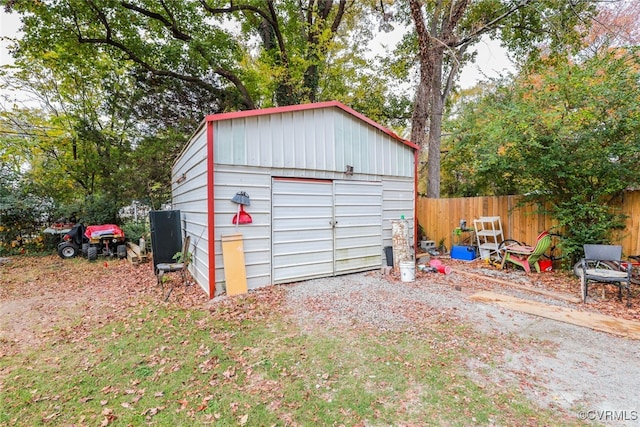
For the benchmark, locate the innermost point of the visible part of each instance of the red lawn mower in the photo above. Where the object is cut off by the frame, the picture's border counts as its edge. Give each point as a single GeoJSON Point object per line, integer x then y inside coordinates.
{"type": "Point", "coordinates": [93, 241]}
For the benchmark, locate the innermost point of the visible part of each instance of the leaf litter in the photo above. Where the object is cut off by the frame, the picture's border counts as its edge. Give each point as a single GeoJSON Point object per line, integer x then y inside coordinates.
{"type": "Point", "coordinates": [48, 299]}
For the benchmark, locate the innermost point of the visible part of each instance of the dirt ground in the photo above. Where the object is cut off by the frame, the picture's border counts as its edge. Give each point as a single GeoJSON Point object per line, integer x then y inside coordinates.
{"type": "Point", "coordinates": [593, 376]}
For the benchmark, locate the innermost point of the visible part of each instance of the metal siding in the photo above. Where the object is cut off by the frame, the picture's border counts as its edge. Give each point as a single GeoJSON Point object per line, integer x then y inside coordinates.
{"type": "Point", "coordinates": [196, 177]}
{"type": "Point", "coordinates": [376, 149]}
{"type": "Point", "coordinates": [296, 133]}
{"type": "Point", "coordinates": [190, 197]}
{"type": "Point", "coordinates": [301, 227]}
{"type": "Point", "coordinates": [340, 138]}
{"type": "Point", "coordinates": [316, 134]}
{"type": "Point", "coordinates": [263, 140]}
{"type": "Point", "coordinates": [196, 225]}
{"type": "Point", "coordinates": [256, 149]}
{"type": "Point", "coordinates": [358, 232]}
{"type": "Point", "coordinates": [325, 139]}
{"type": "Point", "coordinates": [398, 198]}
{"type": "Point", "coordinates": [223, 147]}
{"type": "Point", "coordinates": [376, 152]}
{"type": "Point", "coordinates": [239, 147]}
{"type": "Point", "coordinates": [256, 236]}
{"type": "Point", "coordinates": [277, 141]}
{"type": "Point", "coordinates": [305, 135]}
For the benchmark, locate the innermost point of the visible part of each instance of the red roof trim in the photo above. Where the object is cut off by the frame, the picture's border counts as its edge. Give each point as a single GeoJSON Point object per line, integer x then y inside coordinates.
{"type": "Point", "coordinates": [302, 107]}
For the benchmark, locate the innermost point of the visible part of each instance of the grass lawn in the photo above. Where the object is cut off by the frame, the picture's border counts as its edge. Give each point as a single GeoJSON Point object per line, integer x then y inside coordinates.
{"type": "Point", "coordinates": [242, 361]}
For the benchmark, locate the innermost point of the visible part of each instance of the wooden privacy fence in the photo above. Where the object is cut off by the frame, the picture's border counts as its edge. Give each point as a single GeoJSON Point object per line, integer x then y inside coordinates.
{"type": "Point", "coordinates": [440, 217]}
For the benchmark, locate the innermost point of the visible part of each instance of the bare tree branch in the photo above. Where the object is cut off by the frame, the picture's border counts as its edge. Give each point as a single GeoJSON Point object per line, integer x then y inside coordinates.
{"type": "Point", "coordinates": [109, 40]}
{"type": "Point", "coordinates": [489, 26]}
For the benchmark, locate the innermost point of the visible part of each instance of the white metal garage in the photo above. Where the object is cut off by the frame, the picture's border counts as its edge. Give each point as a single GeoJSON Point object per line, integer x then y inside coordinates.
{"type": "Point", "coordinates": [324, 183]}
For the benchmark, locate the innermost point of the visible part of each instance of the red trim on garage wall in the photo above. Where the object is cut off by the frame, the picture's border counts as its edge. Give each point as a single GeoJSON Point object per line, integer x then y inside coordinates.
{"type": "Point", "coordinates": [416, 159]}
{"type": "Point", "coordinates": [211, 207]}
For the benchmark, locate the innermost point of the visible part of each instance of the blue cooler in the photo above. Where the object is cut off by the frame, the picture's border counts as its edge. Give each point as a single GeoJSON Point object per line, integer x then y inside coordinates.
{"type": "Point", "coordinates": [464, 253]}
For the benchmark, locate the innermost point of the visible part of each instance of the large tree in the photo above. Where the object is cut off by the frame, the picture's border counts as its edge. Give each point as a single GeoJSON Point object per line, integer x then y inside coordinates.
{"type": "Point", "coordinates": [446, 29]}
{"type": "Point", "coordinates": [160, 66]}
{"type": "Point", "coordinates": [566, 134]}
{"type": "Point", "coordinates": [76, 128]}
{"type": "Point", "coordinates": [231, 55]}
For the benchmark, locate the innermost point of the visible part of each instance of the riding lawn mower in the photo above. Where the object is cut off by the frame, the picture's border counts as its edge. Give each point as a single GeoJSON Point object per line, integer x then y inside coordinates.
{"type": "Point", "coordinates": [92, 241]}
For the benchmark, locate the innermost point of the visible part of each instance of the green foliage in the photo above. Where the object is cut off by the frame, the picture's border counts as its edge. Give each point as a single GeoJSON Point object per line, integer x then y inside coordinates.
{"type": "Point", "coordinates": [101, 209]}
{"type": "Point", "coordinates": [22, 216]}
{"type": "Point", "coordinates": [445, 31]}
{"type": "Point", "coordinates": [196, 58]}
{"type": "Point", "coordinates": [567, 135]}
{"type": "Point", "coordinates": [182, 257]}
{"type": "Point", "coordinates": [134, 230]}
{"type": "Point", "coordinates": [547, 26]}
{"type": "Point", "coordinates": [150, 167]}
{"type": "Point", "coordinates": [587, 222]}
{"type": "Point", "coordinates": [121, 87]}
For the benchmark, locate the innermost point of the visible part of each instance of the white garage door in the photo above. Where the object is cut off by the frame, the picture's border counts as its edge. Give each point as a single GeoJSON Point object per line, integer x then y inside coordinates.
{"type": "Point", "coordinates": [358, 230]}
{"type": "Point", "coordinates": [322, 228]}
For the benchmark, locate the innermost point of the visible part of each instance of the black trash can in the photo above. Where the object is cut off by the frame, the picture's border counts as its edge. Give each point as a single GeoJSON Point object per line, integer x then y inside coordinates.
{"type": "Point", "coordinates": [388, 254]}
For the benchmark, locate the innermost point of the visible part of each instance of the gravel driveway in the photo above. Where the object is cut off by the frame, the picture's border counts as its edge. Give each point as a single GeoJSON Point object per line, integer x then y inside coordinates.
{"type": "Point", "coordinates": [592, 375]}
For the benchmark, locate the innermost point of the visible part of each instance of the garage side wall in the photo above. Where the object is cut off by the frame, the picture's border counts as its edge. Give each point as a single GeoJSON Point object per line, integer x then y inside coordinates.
{"type": "Point", "coordinates": [190, 197]}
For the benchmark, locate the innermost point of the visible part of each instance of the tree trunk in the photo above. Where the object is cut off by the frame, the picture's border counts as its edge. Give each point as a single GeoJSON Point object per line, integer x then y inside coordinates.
{"type": "Point", "coordinates": [435, 124]}
{"type": "Point", "coordinates": [420, 112]}
{"type": "Point", "coordinates": [420, 116]}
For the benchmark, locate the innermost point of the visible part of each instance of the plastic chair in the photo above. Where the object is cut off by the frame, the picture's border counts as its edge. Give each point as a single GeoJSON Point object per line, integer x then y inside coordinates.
{"type": "Point", "coordinates": [527, 256]}
{"type": "Point", "coordinates": [181, 267]}
{"type": "Point", "coordinates": [603, 264]}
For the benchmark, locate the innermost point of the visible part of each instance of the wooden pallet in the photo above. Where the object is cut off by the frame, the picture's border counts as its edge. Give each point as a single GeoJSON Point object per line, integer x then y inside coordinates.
{"type": "Point", "coordinates": [135, 255]}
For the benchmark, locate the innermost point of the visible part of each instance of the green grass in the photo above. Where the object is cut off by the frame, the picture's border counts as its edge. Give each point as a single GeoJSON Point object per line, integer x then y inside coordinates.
{"type": "Point", "coordinates": [248, 364]}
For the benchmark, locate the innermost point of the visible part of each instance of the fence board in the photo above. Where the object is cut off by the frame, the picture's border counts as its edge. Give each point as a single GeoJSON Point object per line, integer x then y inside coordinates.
{"type": "Point", "coordinates": [439, 217]}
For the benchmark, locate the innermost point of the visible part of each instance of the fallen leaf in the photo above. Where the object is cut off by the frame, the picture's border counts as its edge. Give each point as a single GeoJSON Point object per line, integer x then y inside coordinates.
{"type": "Point", "coordinates": [230, 372]}
{"type": "Point", "coordinates": [183, 404]}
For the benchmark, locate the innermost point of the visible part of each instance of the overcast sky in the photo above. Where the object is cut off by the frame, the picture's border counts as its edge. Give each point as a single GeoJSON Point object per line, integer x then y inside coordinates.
{"type": "Point", "coordinates": [490, 62]}
{"type": "Point", "coordinates": [9, 25]}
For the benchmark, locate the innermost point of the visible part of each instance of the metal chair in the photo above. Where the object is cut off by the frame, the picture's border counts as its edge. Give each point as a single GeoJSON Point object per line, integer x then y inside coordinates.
{"type": "Point", "coordinates": [603, 264]}
{"type": "Point", "coordinates": [181, 267]}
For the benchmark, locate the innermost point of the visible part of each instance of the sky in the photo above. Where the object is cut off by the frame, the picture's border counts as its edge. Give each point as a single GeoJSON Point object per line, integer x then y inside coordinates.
{"type": "Point", "coordinates": [9, 25]}
{"type": "Point", "coordinates": [491, 60]}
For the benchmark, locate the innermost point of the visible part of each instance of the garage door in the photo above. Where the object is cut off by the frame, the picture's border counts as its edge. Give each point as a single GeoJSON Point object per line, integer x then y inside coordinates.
{"type": "Point", "coordinates": [358, 230]}
{"type": "Point", "coordinates": [322, 228]}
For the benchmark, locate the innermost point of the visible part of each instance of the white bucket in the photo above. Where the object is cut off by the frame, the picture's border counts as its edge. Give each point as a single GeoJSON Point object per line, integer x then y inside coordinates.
{"type": "Point", "coordinates": [407, 271]}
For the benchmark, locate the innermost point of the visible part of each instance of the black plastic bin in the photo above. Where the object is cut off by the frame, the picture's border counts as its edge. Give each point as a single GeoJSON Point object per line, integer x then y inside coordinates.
{"type": "Point", "coordinates": [388, 254]}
